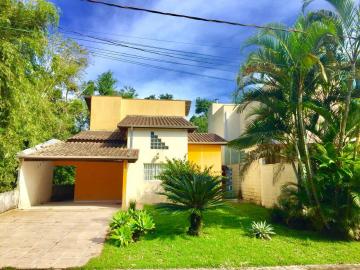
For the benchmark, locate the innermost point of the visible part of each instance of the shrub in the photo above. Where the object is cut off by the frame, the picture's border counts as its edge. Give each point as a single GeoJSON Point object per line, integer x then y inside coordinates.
{"type": "Point", "coordinates": [141, 223]}
{"type": "Point", "coordinates": [132, 205]}
{"type": "Point", "coordinates": [120, 219]}
{"type": "Point", "coordinates": [188, 188]}
{"type": "Point", "coordinates": [262, 230]}
{"type": "Point", "coordinates": [135, 223]}
{"type": "Point", "coordinates": [121, 236]}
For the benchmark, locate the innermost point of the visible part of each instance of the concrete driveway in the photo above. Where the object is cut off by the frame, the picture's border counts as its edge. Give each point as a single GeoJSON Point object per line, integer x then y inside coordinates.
{"type": "Point", "coordinates": [53, 235]}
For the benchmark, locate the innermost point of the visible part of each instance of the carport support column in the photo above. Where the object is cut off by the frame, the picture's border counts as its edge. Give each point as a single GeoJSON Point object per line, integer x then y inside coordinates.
{"type": "Point", "coordinates": [124, 178]}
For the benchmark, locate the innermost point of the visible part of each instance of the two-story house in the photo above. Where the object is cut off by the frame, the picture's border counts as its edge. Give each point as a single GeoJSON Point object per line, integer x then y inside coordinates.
{"type": "Point", "coordinates": [118, 159]}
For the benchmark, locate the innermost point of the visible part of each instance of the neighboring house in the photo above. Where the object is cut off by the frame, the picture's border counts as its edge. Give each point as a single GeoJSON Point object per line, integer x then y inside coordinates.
{"type": "Point", "coordinates": [119, 157]}
{"type": "Point", "coordinates": [263, 180]}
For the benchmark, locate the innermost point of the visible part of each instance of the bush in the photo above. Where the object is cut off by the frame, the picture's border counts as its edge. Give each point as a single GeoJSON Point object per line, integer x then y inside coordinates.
{"type": "Point", "coordinates": [336, 180]}
{"type": "Point", "coordinates": [129, 226]}
{"type": "Point", "coordinates": [262, 230]}
{"type": "Point", "coordinates": [189, 188]}
{"type": "Point", "coordinates": [132, 205]}
{"type": "Point", "coordinates": [121, 237]}
{"type": "Point", "coordinates": [141, 223]}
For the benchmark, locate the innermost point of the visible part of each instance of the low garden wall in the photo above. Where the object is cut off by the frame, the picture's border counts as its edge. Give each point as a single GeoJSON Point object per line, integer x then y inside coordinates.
{"type": "Point", "coordinates": [9, 200]}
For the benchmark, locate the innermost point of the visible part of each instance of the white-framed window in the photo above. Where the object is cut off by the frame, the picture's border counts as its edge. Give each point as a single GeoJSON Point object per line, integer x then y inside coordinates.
{"type": "Point", "coordinates": [152, 170]}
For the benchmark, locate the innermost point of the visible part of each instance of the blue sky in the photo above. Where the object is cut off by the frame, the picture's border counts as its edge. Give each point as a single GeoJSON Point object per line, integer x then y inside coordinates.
{"type": "Point", "coordinates": [217, 45]}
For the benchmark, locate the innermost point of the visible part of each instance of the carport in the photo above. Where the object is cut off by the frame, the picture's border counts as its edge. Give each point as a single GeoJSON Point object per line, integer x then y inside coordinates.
{"type": "Point", "coordinates": [100, 158]}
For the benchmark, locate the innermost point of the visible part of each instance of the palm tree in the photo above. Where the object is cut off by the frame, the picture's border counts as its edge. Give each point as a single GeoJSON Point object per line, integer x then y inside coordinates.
{"type": "Point", "coordinates": [188, 188]}
{"type": "Point", "coordinates": [281, 75]}
{"type": "Point", "coordinates": [347, 21]}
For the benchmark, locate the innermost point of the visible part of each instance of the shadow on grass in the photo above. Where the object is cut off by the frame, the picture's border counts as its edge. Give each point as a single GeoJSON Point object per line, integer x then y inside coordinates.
{"type": "Point", "coordinates": [230, 216]}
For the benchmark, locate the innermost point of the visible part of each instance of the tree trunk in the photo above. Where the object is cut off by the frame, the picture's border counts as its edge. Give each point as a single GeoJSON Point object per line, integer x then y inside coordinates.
{"type": "Point", "coordinates": [304, 151]}
{"type": "Point", "coordinates": [195, 224]}
{"type": "Point", "coordinates": [347, 107]}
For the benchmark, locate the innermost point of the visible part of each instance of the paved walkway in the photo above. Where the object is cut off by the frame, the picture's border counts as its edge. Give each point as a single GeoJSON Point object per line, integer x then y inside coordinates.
{"type": "Point", "coordinates": [53, 235]}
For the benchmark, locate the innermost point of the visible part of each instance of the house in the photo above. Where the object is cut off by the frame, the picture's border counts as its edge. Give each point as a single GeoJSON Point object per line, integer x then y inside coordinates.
{"type": "Point", "coordinates": [118, 159]}
{"type": "Point", "coordinates": [264, 179]}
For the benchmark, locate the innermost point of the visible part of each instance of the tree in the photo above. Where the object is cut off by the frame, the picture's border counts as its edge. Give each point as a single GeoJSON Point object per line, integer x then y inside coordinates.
{"type": "Point", "coordinates": [106, 84]}
{"type": "Point", "coordinates": [283, 66]}
{"type": "Point", "coordinates": [128, 92]}
{"type": "Point", "coordinates": [39, 74]}
{"type": "Point", "coordinates": [188, 188]}
{"type": "Point", "coordinates": [200, 118]}
{"type": "Point", "coordinates": [202, 105]}
{"type": "Point", "coordinates": [151, 97]}
{"type": "Point", "coordinates": [201, 122]}
{"type": "Point", "coordinates": [347, 20]}
{"type": "Point", "coordinates": [166, 96]}
{"type": "Point", "coordinates": [161, 96]}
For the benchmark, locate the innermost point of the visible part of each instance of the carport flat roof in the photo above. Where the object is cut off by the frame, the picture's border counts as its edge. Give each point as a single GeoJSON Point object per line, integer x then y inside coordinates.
{"type": "Point", "coordinates": [94, 151]}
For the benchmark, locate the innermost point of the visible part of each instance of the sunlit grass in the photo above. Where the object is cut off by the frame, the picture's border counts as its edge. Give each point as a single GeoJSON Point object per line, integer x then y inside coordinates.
{"type": "Point", "coordinates": [225, 242]}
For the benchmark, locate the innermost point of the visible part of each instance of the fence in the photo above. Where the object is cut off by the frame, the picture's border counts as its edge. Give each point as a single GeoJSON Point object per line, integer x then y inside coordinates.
{"type": "Point", "coordinates": [9, 200]}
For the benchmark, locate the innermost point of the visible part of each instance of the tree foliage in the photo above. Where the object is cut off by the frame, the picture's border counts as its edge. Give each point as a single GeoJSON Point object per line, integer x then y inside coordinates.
{"type": "Point", "coordinates": [188, 188]}
{"type": "Point", "coordinates": [298, 84]}
{"type": "Point", "coordinates": [39, 72]}
{"type": "Point", "coordinates": [161, 96]}
{"type": "Point", "coordinates": [200, 118]}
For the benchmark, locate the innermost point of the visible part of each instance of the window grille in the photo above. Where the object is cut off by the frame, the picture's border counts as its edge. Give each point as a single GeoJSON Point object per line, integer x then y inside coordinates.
{"type": "Point", "coordinates": [152, 170]}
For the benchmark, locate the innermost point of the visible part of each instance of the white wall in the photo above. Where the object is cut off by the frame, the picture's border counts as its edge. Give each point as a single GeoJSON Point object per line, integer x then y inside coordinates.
{"type": "Point", "coordinates": [144, 191]}
{"type": "Point", "coordinates": [34, 182]}
{"type": "Point", "coordinates": [262, 183]}
{"type": "Point", "coordinates": [9, 200]}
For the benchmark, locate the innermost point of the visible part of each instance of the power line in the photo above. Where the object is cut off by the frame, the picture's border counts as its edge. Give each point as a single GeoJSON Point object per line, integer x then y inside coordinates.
{"type": "Point", "coordinates": [175, 51]}
{"type": "Point", "coordinates": [163, 68]}
{"type": "Point", "coordinates": [164, 40]}
{"type": "Point", "coordinates": [115, 43]}
{"type": "Point", "coordinates": [116, 53]}
{"type": "Point", "coordinates": [193, 17]}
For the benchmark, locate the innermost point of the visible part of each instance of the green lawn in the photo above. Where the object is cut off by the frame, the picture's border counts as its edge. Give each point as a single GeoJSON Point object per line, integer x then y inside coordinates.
{"type": "Point", "coordinates": [224, 243]}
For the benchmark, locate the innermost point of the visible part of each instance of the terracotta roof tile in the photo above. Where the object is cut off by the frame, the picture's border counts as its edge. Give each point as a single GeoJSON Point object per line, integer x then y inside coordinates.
{"type": "Point", "coordinates": [176, 122]}
{"type": "Point", "coordinates": [205, 138]}
{"type": "Point", "coordinates": [84, 151]}
{"type": "Point", "coordinates": [97, 136]}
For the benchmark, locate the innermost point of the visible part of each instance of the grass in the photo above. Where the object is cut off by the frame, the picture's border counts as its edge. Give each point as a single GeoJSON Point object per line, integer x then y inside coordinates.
{"type": "Point", "coordinates": [225, 242]}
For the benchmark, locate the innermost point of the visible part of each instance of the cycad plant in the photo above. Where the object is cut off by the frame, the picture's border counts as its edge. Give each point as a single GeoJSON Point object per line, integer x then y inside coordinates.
{"type": "Point", "coordinates": [188, 188]}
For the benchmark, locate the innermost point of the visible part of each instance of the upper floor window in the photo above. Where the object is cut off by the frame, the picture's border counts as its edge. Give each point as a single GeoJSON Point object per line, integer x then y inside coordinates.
{"type": "Point", "coordinates": [156, 142]}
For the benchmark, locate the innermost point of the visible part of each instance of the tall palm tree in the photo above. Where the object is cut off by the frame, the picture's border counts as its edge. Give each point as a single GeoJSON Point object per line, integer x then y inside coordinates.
{"type": "Point", "coordinates": [347, 21]}
{"type": "Point", "coordinates": [283, 67]}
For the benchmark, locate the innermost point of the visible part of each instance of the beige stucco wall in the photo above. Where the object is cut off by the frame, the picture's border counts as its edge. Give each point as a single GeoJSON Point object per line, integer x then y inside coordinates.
{"type": "Point", "coordinates": [226, 121]}
{"type": "Point", "coordinates": [108, 111]}
{"type": "Point", "coordinates": [105, 112]}
{"type": "Point", "coordinates": [144, 191]}
{"type": "Point", "coordinates": [153, 107]}
{"type": "Point", "coordinates": [262, 183]}
{"type": "Point", "coordinates": [35, 183]}
{"type": "Point", "coordinates": [274, 177]}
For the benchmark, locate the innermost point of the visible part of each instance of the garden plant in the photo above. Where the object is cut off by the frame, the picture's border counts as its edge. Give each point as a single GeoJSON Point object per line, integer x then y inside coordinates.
{"type": "Point", "coordinates": [189, 188]}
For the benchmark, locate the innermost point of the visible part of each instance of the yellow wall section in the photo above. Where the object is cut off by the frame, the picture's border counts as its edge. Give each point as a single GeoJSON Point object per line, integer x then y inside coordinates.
{"type": "Point", "coordinates": [107, 112]}
{"type": "Point", "coordinates": [206, 155]}
{"type": "Point", "coordinates": [153, 107]}
{"type": "Point", "coordinates": [97, 181]}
